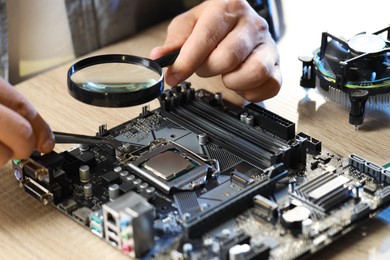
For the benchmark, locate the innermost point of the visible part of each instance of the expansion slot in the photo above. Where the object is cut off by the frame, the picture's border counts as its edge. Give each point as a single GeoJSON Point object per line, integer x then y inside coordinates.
{"type": "Point", "coordinates": [197, 226]}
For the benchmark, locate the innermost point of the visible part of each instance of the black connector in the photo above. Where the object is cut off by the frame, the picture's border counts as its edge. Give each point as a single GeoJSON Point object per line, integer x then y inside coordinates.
{"type": "Point", "coordinates": [271, 122]}
{"type": "Point", "coordinates": [313, 146]}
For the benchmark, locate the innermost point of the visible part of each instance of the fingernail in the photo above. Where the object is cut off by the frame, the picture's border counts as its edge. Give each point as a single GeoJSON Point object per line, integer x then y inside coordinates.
{"type": "Point", "coordinates": [48, 145]}
{"type": "Point", "coordinates": [174, 79]}
{"type": "Point", "coordinates": [154, 52]}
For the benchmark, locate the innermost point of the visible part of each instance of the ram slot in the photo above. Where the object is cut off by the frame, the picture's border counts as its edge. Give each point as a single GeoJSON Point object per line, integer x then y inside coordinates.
{"type": "Point", "coordinates": [261, 139]}
{"type": "Point", "coordinates": [293, 155]}
{"type": "Point", "coordinates": [252, 153]}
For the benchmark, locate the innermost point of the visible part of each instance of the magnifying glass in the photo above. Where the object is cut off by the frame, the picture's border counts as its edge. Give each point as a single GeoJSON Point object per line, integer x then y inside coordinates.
{"type": "Point", "coordinates": [117, 80]}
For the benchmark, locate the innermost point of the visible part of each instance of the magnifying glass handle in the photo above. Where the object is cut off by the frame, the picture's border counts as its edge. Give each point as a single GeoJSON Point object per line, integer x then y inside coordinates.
{"type": "Point", "coordinates": [68, 138]}
{"type": "Point", "coordinates": [167, 59]}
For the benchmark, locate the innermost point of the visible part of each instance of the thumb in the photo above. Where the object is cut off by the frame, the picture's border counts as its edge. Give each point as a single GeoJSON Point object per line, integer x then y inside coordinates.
{"type": "Point", "coordinates": [178, 32]}
{"type": "Point", "coordinates": [168, 47]}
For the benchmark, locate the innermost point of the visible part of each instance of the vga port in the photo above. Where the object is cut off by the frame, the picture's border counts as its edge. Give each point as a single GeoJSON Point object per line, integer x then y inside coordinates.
{"type": "Point", "coordinates": [37, 191]}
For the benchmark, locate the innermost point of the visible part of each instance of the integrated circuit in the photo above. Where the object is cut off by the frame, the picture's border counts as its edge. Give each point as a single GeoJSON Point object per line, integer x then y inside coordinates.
{"type": "Point", "coordinates": [169, 166]}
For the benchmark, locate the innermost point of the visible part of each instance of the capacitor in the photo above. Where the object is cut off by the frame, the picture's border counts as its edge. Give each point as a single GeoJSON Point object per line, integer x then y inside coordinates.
{"type": "Point", "coordinates": [150, 193]}
{"type": "Point", "coordinates": [113, 191]}
{"type": "Point", "coordinates": [202, 138]}
{"type": "Point", "coordinates": [123, 175]}
{"type": "Point", "coordinates": [142, 187]}
{"type": "Point", "coordinates": [88, 190]}
{"type": "Point", "coordinates": [85, 175]}
{"type": "Point", "coordinates": [84, 147]}
{"type": "Point", "coordinates": [118, 169]}
{"type": "Point", "coordinates": [137, 182]}
{"type": "Point", "coordinates": [130, 178]}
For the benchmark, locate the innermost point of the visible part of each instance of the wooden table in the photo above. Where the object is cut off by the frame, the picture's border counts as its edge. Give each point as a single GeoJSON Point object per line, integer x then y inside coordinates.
{"type": "Point", "coordinates": [29, 230]}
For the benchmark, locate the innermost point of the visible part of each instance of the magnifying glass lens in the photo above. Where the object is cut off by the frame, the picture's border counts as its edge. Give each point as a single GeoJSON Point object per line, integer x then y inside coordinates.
{"type": "Point", "coordinates": [116, 80]}
{"type": "Point", "coordinates": [115, 77]}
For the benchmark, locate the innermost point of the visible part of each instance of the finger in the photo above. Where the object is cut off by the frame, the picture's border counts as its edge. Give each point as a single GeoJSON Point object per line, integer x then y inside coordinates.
{"type": "Point", "coordinates": [266, 90]}
{"type": "Point", "coordinates": [235, 47]}
{"type": "Point", "coordinates": [221, 61]}
{"type": "Point", "coordinates": [211, 27]}
{"type": "Point", "coordinates": [255, 70]}
{"type": "Point", "coordinates": [16, 133]}
{"type": "Point", "coordinates": [177, 33]}
{"type": "Point", "coordinates": [5, 154]}
{"type": "Point", "coordinates": [27, 118]}
{"type": "Point", "coordinates": [43, 135]}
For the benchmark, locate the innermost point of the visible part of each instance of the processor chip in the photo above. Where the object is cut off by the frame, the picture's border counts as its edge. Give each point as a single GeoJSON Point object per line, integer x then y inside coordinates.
{"type": "Point", "coordinates": [171, 167]}
{"type": "Point", "coordinates": [168, 165]}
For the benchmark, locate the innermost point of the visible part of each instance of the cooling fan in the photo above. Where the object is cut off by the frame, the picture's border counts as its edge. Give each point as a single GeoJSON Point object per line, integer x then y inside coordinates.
{"type": "Point", "coordinates": [353, 73]}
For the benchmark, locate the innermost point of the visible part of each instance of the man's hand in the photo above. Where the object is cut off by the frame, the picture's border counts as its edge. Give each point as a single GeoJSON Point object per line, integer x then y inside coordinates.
{"type": "Point", "coordinates": [224, 37]}
{"type": "Point", "coordinates": [22, 129]}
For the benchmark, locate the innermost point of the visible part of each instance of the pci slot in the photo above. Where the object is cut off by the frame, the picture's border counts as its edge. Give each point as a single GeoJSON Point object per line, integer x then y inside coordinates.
{"type": "Point", "coordinates": [205, 221]}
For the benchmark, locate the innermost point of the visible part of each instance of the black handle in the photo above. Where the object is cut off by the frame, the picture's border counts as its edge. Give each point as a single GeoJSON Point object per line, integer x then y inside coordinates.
{"type": "Point", "coordinates": [167, 59]}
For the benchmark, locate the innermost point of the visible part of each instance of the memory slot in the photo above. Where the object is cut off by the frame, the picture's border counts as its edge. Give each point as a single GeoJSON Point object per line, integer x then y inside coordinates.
{"type": "Point", "coordinates": [228, 140]}
{"type": "Point", "coordinates": [218, 117]}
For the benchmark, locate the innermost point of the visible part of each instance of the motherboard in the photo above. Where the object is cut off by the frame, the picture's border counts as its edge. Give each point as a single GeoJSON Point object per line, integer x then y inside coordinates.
{"type": "Point", "coordinates": [201, 178]}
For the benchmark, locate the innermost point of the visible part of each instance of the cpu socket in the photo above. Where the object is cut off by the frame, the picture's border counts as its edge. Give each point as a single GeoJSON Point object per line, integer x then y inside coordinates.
{"type": "Point", "coordinates": [169, 166]}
